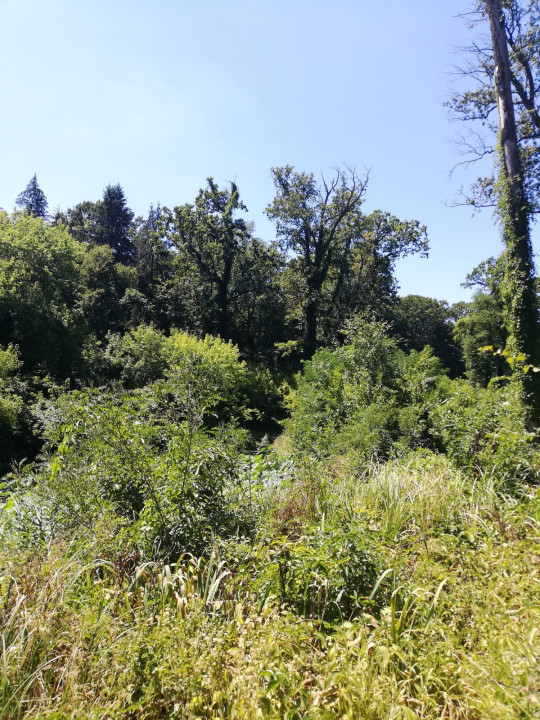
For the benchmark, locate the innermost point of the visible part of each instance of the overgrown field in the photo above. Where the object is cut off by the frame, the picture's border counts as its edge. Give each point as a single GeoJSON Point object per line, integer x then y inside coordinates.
{"type": "Point", "coordinates": [380, 559]}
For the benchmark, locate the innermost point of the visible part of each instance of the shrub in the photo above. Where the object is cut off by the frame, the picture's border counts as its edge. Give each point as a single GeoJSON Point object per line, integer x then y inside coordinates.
{"type": "Point", "coordinates": [115, 453]}
{"type": "Point", "coordinates": [483, 430]}
{"type": "Point", "coordinates": [327, 572]}
{"type": "Point", "coordinates": [367, 396]}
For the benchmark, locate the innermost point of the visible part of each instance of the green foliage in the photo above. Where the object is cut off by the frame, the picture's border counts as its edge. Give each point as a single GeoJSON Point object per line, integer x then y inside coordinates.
{"type": "Point", "coordinates": [138, 357]}
{"type": "Point", "coordinates": [419, 321]}
{"type": "Point", "coordinates": [10, 403]}
{"type": "Point", "coordinates": [122, 454]}
{"type": "Point", "coordinates": [203, 375]}
{"type": "Point", "coordinates": [481, 324]}
{"type": "Point", "coordinates": [420, 495]}
{"type": "Point", "coordinates": [455, 635]}
{"type": "Point", "coordinates": [325, 573]}
{"type": "Point", "coordinates": [484, 431]}
{"type": "Point", "coordinates": [367, 396]}
{"type": "Point", "coordinates": [32, 200]}
{"type": "Point", "coordinates": [343, 260]}
{"type": "Point", "coordinates": [104, 301]}
{"type": "Point", "coordinates": [12, 416]}
{"type": "Point", "coordinates": [214, 240]}
{"type": "Point", "coordinates": [39, 275]}
{"type": "Point", "coordinates": [157, 561]}
{"type": "Point", "coordinates": [114, 224]}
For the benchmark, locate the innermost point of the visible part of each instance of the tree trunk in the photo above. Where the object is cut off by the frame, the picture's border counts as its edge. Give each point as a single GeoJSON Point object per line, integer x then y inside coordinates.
{"type": "Point", "coordinates": [311, 317]}
{"type": "Point", "coordinates": [223, 309]}
{"type": "Point", "coordinates": [519, 296]}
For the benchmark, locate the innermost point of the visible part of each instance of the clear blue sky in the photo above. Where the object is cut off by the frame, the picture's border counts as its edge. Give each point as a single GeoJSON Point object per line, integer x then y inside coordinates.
{"type": "Point", "coordinates": [159, 94]}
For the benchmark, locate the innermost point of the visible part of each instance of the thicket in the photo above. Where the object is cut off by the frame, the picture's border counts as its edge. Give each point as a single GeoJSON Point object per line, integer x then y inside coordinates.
{"type": "Point", "coordinates": [195, 528]}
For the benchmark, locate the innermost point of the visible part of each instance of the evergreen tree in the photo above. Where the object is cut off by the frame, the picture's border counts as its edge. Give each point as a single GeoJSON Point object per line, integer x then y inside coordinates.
{"type": "Point", "coordinates": [114, 220]}
{"type": "Point", "coordinates": [32, 199]}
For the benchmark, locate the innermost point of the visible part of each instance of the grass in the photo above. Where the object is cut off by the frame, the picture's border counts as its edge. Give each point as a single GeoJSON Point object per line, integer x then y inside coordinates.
{"type": "Point", "coordinates": [415, 495]}
{"type": "Point", "coordinates": [91, 633]}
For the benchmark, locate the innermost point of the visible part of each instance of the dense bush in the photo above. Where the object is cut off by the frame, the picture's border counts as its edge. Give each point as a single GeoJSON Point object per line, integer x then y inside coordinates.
{"type": "Point", "coordinates": [16, 431]}
{"type": "Point", "coordinates": [484, 431]}
{"type": "Point", "coordinates": [119, 454]}
{"type": "Point", "coordinates": [366, 396]}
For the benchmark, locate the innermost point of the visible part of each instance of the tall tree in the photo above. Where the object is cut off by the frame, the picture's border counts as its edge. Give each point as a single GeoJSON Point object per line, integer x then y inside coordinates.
{"type": "Point", "coordinates": [212, 239]}
{"type": "Point", "coordinates": [316, 223]}
{"type": "Point", "coordinates": [32, 199]}
{"type": "Point", "coordinates": [478, 104]}
{"type": "Point", "coordinates": [513, 64]}
{"type": "Point", "coordinates": [338, 253]}
{"type": "Point", "coordinates": [114, 220]}
{"type": "Point", "coordinates": [81, 221]}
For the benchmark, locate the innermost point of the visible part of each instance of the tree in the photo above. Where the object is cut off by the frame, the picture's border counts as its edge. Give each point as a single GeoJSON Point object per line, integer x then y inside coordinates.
{"type": "Point", "coordinates": [211, 237]}
{"type": "Point", "coordinates": [419, 321]}
{"type": "Point", "coordinates": [40, 268]}
{"type": "Point", "coordinates": [108, 221]}
{"type": "Point", "coordinates": [316, 223]}
{"type": "Point", "coordinates": [257, 300]}
{"type": "Point", "coordinates": [364, 282]}
{"type": "Point", "coordinates": [338, 252]}
{"type": "Point", "coordinates": [32, 199]}
{"type": "Point", "coordinates": [152, 252]}
{"type": "Point", "coordinates": [81, 221]}
{"type": "Point", "coordinates": [477, 105]}
{"type": "Point", "coordinates": [114, 220]}
{"type": "Point", "coordinates": [108, 292]}
{"type": "Point", "coordinates": [514, 82]}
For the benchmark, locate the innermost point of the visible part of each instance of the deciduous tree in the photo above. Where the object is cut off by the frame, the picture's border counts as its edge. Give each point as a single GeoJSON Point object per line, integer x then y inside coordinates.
{"type": "Point", "coordinates": [212, 237]}
{"type": "Point", "coordinates": [338, 254]}
{"type": "Point", "coordinates": [509, 73]}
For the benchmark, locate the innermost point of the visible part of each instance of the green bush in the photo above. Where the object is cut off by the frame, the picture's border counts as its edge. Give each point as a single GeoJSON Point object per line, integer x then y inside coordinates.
{"type": "Point", "coordinates": [366, 396]}
{"type": "Point", "coordinates": [116, 453]}
{"type": "Point", "coordinates": [17, 439]}
{"type": "Point", "coordinates": [483, 430]}
{"type": "Point", "coordinates": [328, 572]}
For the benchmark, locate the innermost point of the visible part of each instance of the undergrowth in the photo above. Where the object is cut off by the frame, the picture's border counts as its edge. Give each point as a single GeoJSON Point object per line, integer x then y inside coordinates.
{"type": "Point", "coordinates": [407, 593]}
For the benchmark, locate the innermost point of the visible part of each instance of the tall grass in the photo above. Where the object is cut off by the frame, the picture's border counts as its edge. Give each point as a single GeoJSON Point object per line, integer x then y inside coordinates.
{"type": "Point", "coordinates": [92, 637]}
{"type": "Point", "coordinates": [415, 495]}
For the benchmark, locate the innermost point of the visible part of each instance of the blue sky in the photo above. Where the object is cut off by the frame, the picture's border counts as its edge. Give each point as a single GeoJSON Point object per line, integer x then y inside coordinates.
{"type": "Point", "coordinates": [159, 95]}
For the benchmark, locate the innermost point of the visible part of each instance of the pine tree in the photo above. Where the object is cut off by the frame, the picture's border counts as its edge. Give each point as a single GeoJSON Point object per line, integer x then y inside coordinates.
{"type": "Point", "coordinates": [114, 220]}
{"type": "Point", "coordinates": [32, 200]}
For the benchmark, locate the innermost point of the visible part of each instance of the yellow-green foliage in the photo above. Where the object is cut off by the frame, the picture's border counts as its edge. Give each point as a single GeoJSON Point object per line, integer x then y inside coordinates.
{"type": "Point", "coordinates": [422, 492]}
{"type": "Point", "coordinates": [212, 351]}
{"type": "Point", "coordinates": [11, 404]}
{"type": "Point", "coordinates": [39, 276]}
{"type": "Point", "coordinates": [456, 638]}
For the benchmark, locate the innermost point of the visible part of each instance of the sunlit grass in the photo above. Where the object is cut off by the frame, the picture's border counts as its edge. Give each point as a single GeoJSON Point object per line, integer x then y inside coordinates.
{"type": "Point", "coordinates": [87, 633]}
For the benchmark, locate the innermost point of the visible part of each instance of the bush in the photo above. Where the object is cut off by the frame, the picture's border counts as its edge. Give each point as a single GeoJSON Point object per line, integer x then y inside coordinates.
{"type": "Point", "coordinates": [483, 430]}
{"type": "Point", "coordinates": [326, 573]}
{"type": "Point", "coordinates": [115, 453]}
{"type": "Point", "coordinates": [367, 396]}
{"type": "Point", "coordinates": [16, 435]}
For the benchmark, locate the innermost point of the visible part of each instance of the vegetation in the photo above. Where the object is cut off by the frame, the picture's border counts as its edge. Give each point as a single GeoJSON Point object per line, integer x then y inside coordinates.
{"type": "Point", "coordinates": [242, 479]}
{"type": "Point", "coordinates": [507, 74]}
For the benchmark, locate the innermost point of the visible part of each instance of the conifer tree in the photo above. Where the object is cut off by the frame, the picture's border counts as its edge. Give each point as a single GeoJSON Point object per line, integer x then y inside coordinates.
{"type": "Point", "coordinates": [32, 199]}
{"type": "Point", "coordinates": [114, 219]}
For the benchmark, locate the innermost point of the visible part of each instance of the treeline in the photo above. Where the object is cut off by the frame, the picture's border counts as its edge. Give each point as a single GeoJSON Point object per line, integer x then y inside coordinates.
{"type": "Point", "coordinates": [71, 280]}
{"type": "Point", "coordinates": [90, 295]}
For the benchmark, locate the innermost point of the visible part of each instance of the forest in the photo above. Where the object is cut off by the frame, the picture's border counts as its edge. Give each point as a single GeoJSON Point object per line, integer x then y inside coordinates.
{"type": "Point", "coordinates": [248, 479]}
